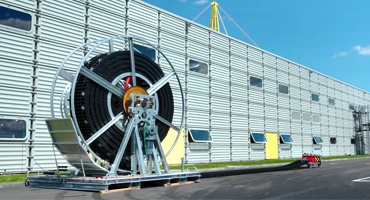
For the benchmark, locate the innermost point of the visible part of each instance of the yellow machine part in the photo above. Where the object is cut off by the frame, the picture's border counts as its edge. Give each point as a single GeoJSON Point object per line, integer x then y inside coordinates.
{"type": "Point", "coordinates": [214, 23]}
{"type": "Point", "coordinates": [126, 97]}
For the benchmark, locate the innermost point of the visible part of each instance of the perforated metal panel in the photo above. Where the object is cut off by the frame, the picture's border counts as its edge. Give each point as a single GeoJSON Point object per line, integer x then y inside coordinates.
{"type": "Point", "coordinates": [13, 157]}
{"type": "Point", "coordinates": [16, 60]}
{"type": "Point", "coordinates": [106, 18]}
{"type": "Point", "coordinates": [254, 68]}
{"type": "Point", "coordinates": [145, 26]}
{"type": "Point", "coordinates": [62, 30]}
{"type": "Point", "coordinates": [257, 152]}
{"type": "Point", "coordinates": [198, 101]}
{"type": "Point", "coordinates": [15, 95]}
{"type": "Point", "coordinates": [198, 41]}
{"type": "Point", "coordinates": [173, 42]}
{"type": "Point", "coordinates": [220, 144]}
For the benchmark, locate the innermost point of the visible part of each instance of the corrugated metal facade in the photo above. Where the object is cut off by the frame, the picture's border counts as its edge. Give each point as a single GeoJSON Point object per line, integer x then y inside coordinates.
{"type": "Point", "coordinates": [15, 87]}
{"type": "Point", "coordinates": [221, 100]}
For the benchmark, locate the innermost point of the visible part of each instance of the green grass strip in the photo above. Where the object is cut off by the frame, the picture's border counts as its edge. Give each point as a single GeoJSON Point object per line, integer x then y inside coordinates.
{"type": "Point", "coordinates": [345, 157]}
{"type": "Point", "coordinates": [13, 178]}
{"type": "Point", "coordinates": [254, 162]}
{"type": "Point", "coordinates": [230, 164]}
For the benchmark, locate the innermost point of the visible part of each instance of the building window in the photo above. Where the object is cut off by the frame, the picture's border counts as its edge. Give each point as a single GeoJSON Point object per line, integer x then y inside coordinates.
{"type": "Point", "coordinates": [258, 138]}
{"type": "Point", "coordinates": [331, 101]}
{"type": "Point", "coordinates": [149, 52]}
{"type": "Point", "coordinates": [351, 107]}
{"type": "Point", "coordinates": [296, 115]}
{"type": "Point", "coordinates": [353, 141]}
{"type": "Point", "coordinates": [196, 66]}
{"type": "Point", "coordinates": [286, 139]}
{"type": "Point", "coordinates": [283, 89]}
{"type": "Point", "coordinates": [15, 19]}
{"type": "Point", "coordinates": [314, 97]}
{"type": "Point", "coordinates": [199, 135]}
{"type": "Point", "coordinates": [12, 129]}
{"type": "Point", "coordinates": [306, 117]}
{"type": "Point", "coordinates": [316, 118]}
{"type": "Point", "coordinates": [333, 140]}
{"type": "Point", "coordinates": [317, 140]}
{"type": "Point", "coordinates": [255, 81]}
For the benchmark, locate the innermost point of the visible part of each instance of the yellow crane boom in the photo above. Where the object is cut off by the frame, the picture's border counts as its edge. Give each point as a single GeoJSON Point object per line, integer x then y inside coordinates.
{"type": "Point", "coordinates": [214, 24]}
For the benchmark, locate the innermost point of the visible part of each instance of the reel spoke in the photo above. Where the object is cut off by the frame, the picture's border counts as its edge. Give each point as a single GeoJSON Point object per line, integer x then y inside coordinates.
{"type": "Point", "coordinates": [66, 75]}
{"type": "Point", "coordinates": [167, 122]}
{"type": "Point", "coordinates": [121, 150]}
{"type": "Point", "coordinates": [132, 59]}
{"type": "Point", "coordinates": [160, 83]}
{"type": "Point", "coordinates": [104, 128]}
{"type": "Point", "coordinates": [101, 81]}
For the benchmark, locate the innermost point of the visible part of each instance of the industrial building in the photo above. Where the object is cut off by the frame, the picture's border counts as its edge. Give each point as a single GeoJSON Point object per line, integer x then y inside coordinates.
{"type": "Point", "coordinates": [241, 102]}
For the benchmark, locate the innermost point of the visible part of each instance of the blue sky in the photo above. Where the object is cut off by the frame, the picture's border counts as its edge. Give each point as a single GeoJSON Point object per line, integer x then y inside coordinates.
{"type": "Point", "coordinates": [328, 36]}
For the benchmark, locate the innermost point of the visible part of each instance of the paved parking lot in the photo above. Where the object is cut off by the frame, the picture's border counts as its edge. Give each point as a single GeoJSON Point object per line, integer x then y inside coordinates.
{"type": "Point", "coordinates": [341, 179]}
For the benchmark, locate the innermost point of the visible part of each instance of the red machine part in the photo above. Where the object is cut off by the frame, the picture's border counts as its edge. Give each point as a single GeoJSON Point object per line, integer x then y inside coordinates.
{"type": "Point", "coordinates": [313, 159]}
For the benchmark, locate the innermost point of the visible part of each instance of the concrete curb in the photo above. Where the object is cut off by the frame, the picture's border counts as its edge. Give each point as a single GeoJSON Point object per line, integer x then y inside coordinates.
{"type": "Point", "coordinates": [340, 159]}
{"type": "Point", "coordinates": [11, 185]}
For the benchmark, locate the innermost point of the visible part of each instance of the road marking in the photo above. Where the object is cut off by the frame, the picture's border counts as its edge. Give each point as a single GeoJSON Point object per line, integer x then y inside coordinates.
{"type": "Point", "coordinates": [366, 179]}
{"type": "Point", "coordinates": [296, 193]}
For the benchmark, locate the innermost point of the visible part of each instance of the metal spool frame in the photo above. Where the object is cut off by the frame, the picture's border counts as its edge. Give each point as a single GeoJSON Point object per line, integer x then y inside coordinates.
{"type": "Point", "coordinates": [63, 123]}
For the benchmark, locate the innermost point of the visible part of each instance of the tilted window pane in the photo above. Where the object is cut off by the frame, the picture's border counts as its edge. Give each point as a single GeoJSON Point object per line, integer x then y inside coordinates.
{"type": "Point", "coordinates": [196, 66]}
{"type": "Point", "coordinates": [331, 101]}
{"type": "Point", "coordinates": [283, 89]}
{"type": "Point", "coordinates": [199, 135]}
{"type": "Point", "coordinates": [286, 138]}
{"type": "Point", "coordinates": [317, 140]}
{"type": "Point", "coordinates": [255, 81]}
{"type": "Point", "coordinates": [351, 107]}
{"type": "Point", "coordinates": [315, 97]}
{"type": "Point", "coordinates": [258, 138]}
{"type": "Point", "coordinates": [12, 128]}
{"type": "Point", "coordinates": [15, 19]}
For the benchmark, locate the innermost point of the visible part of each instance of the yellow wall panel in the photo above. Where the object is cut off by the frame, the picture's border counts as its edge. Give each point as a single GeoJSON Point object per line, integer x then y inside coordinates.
{"type": "Point", "coordinates": [178, 151]}
{"type": "Point", "coordinates": [272, 148]}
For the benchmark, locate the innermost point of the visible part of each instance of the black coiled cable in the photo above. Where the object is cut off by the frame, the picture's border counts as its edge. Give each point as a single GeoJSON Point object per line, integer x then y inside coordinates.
{"type": "Point", "coordinates": [91, 101]}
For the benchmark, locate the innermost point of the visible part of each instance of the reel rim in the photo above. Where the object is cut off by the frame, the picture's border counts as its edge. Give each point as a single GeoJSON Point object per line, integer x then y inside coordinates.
{"type": "Point", "coordinates": [61, 72]}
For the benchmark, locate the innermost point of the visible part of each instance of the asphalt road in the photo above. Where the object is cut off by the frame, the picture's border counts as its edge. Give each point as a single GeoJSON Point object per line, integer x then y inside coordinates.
{"type": "Point", "coordinates": [333, 180]}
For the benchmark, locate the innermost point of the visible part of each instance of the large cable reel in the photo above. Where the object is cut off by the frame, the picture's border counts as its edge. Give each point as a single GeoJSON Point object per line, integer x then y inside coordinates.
{"type": "Point", "coordinates": [95, 99]}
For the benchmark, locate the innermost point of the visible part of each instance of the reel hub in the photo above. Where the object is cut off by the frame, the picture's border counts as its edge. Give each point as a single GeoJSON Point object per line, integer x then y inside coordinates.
{"type": "Point", "coordinates": [126, 97]}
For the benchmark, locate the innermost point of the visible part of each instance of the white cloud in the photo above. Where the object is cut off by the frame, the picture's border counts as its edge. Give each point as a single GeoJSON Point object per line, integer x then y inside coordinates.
{"type": "Point", "coordinates": [342, 54]}
{"type": "Point", "coordinates": [362, 50]}
{"type": "Point", "coordinates": [365, 51]}
{"type": "Point", "coordinates": [17, 23]}
{"type": "Point", "coordinates": [201, 2]}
